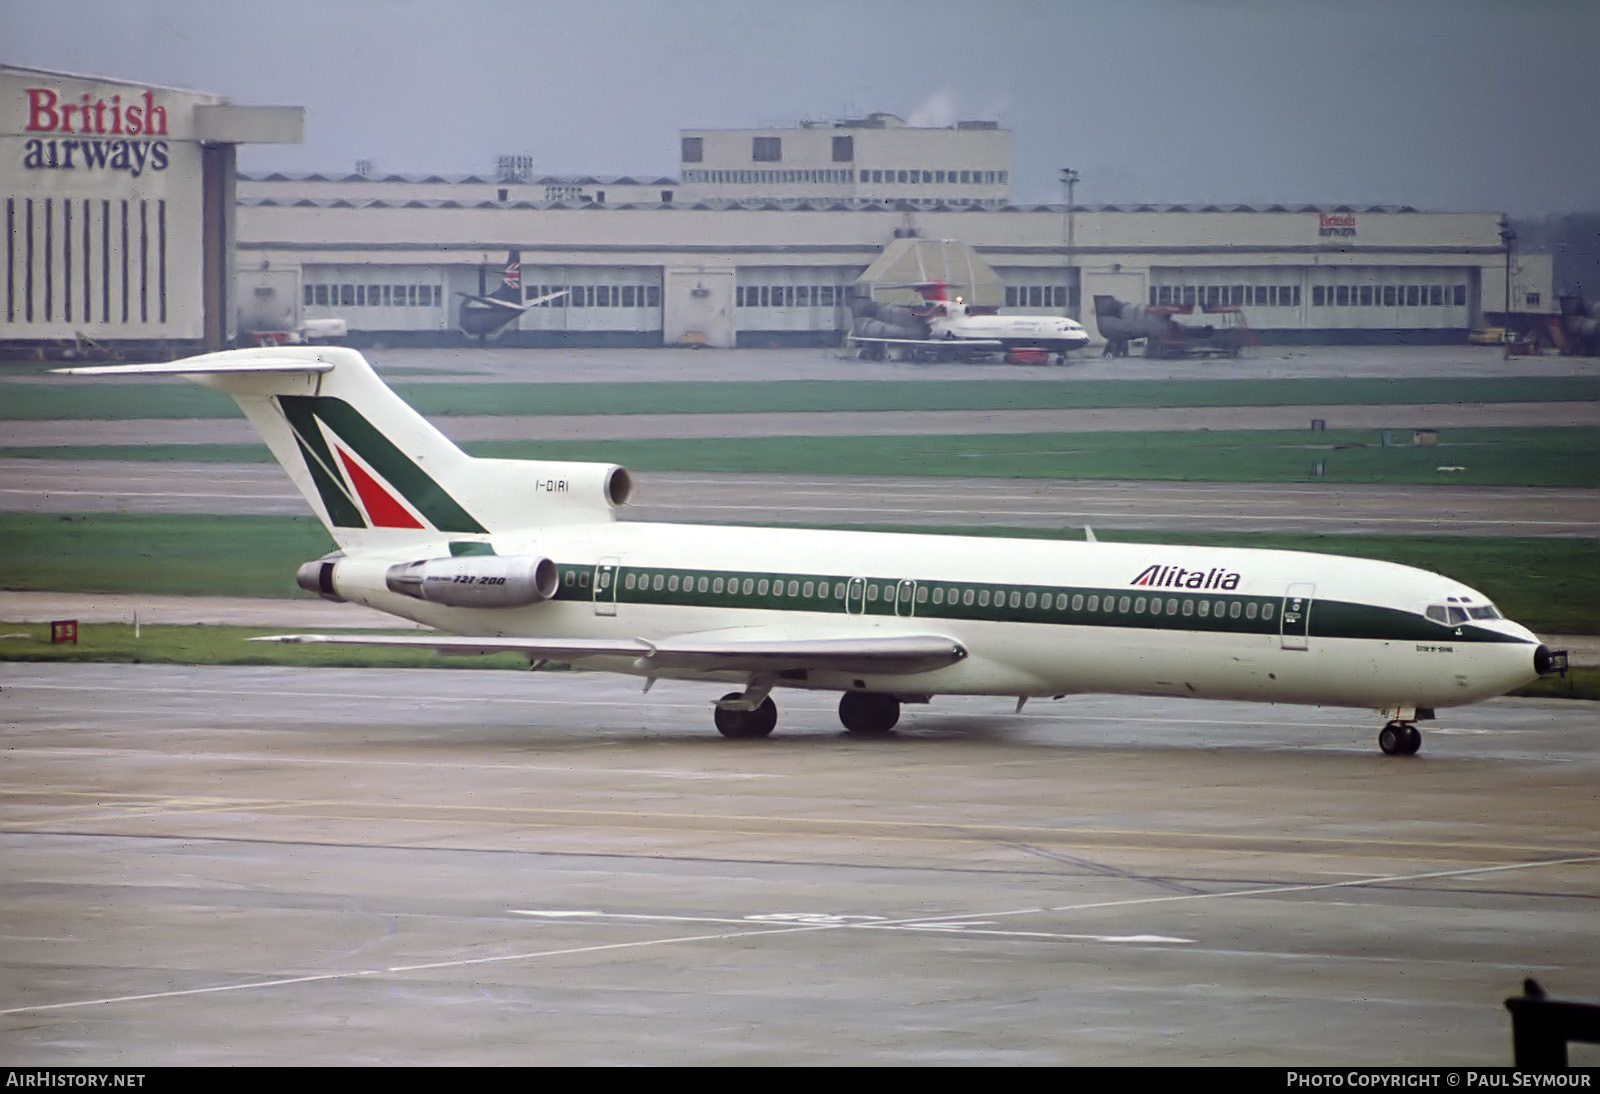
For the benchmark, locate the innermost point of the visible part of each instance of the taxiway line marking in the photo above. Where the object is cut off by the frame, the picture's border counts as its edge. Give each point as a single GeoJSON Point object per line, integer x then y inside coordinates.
{"type": "Point", "coordinates": [759, 932]}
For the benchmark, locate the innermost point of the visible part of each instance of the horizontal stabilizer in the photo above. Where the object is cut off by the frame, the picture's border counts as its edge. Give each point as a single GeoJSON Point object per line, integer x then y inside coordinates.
{"type": "Point", "coordinates": [285, 359]}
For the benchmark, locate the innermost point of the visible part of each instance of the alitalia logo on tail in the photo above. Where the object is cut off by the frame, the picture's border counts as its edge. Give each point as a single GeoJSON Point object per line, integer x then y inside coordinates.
{"type": "Point", "coordinates": [1176, 577]}
{"type": "Point", "coordinates": [363, 479]}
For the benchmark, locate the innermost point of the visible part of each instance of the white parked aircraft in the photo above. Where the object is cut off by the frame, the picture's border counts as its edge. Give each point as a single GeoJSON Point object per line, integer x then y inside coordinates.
{"type": "Point", "coordinates": [954, 326]}
{"type": "Point", "coordinates": [526, 556]}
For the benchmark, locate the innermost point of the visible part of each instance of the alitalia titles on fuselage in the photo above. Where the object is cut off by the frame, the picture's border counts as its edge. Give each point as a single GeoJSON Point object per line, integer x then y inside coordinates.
{"type": "Point", "coordinates": [1176, 577]}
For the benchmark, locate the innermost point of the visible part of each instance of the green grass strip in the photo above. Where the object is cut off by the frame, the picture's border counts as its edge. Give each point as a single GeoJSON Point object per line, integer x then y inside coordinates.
{"type": "Point", "coordinates": [91, 398]}
{"type": "Point", "coordinates": [1469, 457]}
{"type": "Point", "coordinates": [1551, 585]}
{"type": "Point", "coordinates": [1480, 457]}
{"type": "Point", "coordinates": [253, 556]}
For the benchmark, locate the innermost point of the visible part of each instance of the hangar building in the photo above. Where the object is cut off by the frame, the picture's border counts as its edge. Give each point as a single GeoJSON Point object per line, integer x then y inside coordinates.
{"type": "Point", "coordinates": [118, 236]}
{"type": "Point", "coordinates": [119, 210]}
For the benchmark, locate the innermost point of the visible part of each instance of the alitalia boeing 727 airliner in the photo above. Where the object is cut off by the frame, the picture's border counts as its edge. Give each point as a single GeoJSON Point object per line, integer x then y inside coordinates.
{"type": "Point", "coordinates": [526, 556]}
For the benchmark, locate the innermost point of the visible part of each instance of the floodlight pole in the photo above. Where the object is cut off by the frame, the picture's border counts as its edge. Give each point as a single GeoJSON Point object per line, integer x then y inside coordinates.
{"type": "Point", "coordinates": [1507, 238]}
{"type": "Point", "coordinates": [1069, 179]}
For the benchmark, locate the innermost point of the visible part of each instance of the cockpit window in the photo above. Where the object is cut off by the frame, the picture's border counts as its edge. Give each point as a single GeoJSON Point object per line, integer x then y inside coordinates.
{"type": "Point", "coordinates": [1454, 614]}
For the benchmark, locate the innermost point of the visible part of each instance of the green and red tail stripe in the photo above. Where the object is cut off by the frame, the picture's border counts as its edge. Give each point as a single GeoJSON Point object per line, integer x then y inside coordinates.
{"type": "Point", "coordinates": [395, 493]}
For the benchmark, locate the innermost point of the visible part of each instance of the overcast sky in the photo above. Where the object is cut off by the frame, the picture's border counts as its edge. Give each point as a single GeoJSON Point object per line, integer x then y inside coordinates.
{"type": "Point", "coordinates": [1441, 104]}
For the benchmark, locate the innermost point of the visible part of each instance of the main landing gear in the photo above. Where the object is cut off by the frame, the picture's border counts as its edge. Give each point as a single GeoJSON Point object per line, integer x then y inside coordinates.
{"type": "Point", "coordinates": [752, 713]}
{"type": "Point", "coordinates": [868, 713]}
{"type": "Point", "coordinates": [1400, 739]}
{"type": "Point", "coordinates": [735, 717]}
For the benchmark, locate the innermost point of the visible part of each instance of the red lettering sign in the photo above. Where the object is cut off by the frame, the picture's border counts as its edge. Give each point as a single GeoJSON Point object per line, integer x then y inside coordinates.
{"type": "Point", "coordinates": [48, 113]}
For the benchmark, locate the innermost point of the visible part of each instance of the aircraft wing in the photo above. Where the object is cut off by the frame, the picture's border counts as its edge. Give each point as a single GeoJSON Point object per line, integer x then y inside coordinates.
{"type": "Point", "coordinates": [740, 650]}
{"type": "Point", "coordinates": [491, 301]}
{"type": "Point", "coordinates": [943, 343]}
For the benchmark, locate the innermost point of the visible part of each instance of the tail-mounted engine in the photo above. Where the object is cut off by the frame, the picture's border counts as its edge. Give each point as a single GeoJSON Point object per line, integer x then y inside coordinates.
{"type": "Point", "coordinates": [317, 577]}
{"type": "Point", "coordinates": [476, 581]}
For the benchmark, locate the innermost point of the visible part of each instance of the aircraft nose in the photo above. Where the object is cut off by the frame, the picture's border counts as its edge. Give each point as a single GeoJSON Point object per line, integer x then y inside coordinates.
{"type": "Point", "coordinates": [1549, 662]}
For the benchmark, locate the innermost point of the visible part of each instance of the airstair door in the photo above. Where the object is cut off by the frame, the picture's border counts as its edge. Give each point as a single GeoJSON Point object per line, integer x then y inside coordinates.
{"type": "Point", "coordinates": [1295, 617]}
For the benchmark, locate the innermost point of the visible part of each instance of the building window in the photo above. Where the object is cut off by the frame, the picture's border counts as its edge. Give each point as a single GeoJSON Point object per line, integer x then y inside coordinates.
{"type": "Point", "coordinates": [693, 149]}
{"type": "Point", "coordinates": [766, 149]}
{"type": "Point", "coordinates": [844, 149]}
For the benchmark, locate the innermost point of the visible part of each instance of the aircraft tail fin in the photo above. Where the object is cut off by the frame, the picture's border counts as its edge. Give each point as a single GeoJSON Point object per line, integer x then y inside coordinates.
{"type": "Point", "coordinates": [375, 471]}
{"type": "Point", "coordinates": [510, 287]}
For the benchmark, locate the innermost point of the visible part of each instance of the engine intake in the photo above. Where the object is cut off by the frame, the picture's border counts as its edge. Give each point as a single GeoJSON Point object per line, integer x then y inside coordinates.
{"type": "Point", "coordinates": [476, 581]}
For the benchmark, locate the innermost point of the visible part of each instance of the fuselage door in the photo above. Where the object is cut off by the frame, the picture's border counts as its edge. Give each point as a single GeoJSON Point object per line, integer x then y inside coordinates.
{"type": "Point", "coordinates": [855, 596]}
{"type": "Point", "coordinates": [606, 572]}
{"type": "Point", "coordinates": [905, 598]}
{"type": "Point", "coordinates": [1295, 618]}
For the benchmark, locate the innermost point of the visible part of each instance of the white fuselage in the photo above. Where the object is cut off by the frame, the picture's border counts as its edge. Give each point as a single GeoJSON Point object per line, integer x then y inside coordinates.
{"type": "Point", "coordinates": [1042, 331]}
{"type": "Point", "coordinates": [1273, 626]}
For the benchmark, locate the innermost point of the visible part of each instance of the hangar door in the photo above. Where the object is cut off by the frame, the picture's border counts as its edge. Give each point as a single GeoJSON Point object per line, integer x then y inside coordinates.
{"type": "Point", "coordinates": [1040, 291]}
{"type": "Point", "coordinates": [604, 305]}
{"type": "Point", "coordinates": [792, 305]}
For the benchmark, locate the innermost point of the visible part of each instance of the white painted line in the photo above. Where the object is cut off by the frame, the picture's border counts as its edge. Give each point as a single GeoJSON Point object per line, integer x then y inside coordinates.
{"type": "Point", "coordinates": [870, 922]}
{"type": "Point", "coordinates": [147, 494]}
{"type": "Point", "coordinates": [263, 758]}
{"type": "Point", "coordinates": [758, 933]}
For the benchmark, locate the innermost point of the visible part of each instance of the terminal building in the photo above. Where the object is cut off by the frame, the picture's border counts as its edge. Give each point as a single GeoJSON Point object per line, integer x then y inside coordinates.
{"type": "Point", "coordinates": [119, 211]}
{"type": "Point", "coordinates": [759, 240]}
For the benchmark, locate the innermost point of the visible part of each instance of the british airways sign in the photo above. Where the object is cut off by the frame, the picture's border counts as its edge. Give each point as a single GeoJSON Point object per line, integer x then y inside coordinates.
{"type": "Point", "coordinates": [95, 133]}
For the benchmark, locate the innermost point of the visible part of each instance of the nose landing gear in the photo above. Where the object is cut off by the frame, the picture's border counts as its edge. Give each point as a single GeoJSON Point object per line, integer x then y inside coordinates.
{"type": "Point", "coordinates": [1400, 739]}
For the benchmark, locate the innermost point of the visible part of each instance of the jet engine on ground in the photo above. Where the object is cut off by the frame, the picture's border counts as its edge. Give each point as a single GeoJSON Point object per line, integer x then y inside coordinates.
{"type": "Point", "coordinates": [870, 319]}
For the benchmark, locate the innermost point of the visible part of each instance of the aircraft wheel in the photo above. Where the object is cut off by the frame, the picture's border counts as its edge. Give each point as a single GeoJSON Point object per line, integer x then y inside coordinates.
{"type": "Point", "coordinates": [746, 723]}
{"type": "Point", "coordinates": [1400, 739]}
{"type": "Point", "coordinates": [868, 712]}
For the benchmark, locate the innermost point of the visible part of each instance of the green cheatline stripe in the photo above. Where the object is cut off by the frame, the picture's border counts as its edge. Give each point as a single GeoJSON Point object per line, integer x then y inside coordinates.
{"type": "Point", "coordinates": [417, 486]}
{"type": "Point", "coordinates": [997, 602]}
